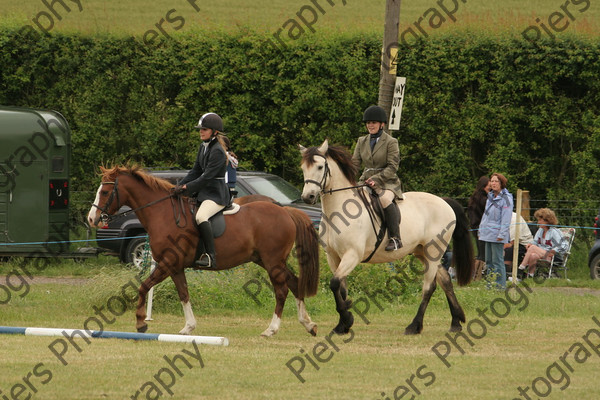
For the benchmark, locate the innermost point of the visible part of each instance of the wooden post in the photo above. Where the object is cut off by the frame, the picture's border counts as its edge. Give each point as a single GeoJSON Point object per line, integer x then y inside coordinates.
{"type": "Point", "coordinates": [526, 210]}
{"type": "Point", "coordinates": [515, 265]}
{"type": "Point", "coordinates": [389, 53]}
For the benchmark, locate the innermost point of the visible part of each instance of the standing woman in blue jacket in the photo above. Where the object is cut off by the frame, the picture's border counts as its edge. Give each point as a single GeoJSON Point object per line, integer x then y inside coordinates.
{"type": "Point", "coordinates": [494, 228]}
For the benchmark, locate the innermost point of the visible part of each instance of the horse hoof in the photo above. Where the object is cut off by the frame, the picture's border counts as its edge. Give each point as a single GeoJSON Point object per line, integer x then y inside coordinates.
{"type": "Point", "coordinates": [142, 329]}
{"type": "Point", "coordinates": [343, 327]}
{"type": "Point", "coordinates": [313, 331]}
{"type": "Point", "coordinates": [413, 329]}
{"type": "Point", "coordinates": [268, 333]}
{"type": "Point", "coordinates": [186, 331]}
{"type": "Point", "coordinates": [338, 330]}
{"type": "Point", "coordinates": [455, 328]}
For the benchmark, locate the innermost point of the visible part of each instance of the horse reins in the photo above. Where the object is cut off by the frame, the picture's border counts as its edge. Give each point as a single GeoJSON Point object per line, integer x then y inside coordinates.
{"type": "Point", "coordinates": [379, 236]}
{"type": "Point", "coordinates": [323, 181]}
{"type": "Point", "coordinates": [106, 218]}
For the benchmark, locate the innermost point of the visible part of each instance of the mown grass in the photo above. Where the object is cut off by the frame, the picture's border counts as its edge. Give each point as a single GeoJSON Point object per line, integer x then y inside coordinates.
{"type": "Point", "coordinates": [247, 287]}
{"type": "Point", "coordinates": [535, 330]}
{"type": "Point", "coordinates": [137, 16]}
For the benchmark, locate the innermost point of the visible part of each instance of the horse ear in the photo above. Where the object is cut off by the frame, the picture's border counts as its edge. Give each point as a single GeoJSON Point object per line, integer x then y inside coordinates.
{"type": "Point", "coordinates": [323, 148]}
{"type": "Point", "coordinates": [302, 148]}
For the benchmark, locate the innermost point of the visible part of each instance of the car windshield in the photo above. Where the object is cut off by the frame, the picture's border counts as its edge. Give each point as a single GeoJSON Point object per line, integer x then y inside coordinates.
{"type": "Point", "coordinates": [274, 187]}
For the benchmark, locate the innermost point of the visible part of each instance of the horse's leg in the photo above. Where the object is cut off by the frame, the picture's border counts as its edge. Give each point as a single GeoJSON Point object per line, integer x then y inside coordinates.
{"type": "Point", "coordinates": [340, 293]}
{"type": "Point", "coordinates": [278, 276]}
{"type": "Point", "coordinates": [303, 316]}
{"type": "Point", "coordinates": [344, 289]}
{"type": "Point", "coordinates": [182, 289]}
{"type": "Point", "coordinates": [429, 285]}
{"type": "Point", "coordinates": [156, 277]}
{"type": "Point", "coordinates": [458, 315]}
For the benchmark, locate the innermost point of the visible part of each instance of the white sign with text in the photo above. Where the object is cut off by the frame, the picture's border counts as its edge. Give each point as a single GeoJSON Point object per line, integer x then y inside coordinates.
{"type": "Point", "coordinates": [396, 111]}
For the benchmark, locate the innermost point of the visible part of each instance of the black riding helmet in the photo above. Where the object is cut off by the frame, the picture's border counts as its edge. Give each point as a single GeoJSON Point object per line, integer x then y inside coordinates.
{"type": "Point", "coordinates": [210, 121]}
{"type": "Point", "coordinates": [375, 113]}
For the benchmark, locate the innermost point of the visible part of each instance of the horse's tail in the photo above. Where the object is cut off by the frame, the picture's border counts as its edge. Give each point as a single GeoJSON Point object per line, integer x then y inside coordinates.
{"type": "Point", "coordinates": [307, 253]}
{"type": "Point", "coordinates": [462, 247]}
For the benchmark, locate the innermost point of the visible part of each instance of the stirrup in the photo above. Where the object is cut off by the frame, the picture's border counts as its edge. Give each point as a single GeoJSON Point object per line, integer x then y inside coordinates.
{"type": "Point", "coordinates": [393, 244]}
{"type": "Point", "coordinates": [206, 261]}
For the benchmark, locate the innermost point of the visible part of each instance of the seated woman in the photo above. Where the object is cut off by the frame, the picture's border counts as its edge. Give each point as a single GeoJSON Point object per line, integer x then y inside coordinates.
{"type": "Point", "coordinates": [547, 241]}
{"type": "Point", "coordinates": [525, 238]}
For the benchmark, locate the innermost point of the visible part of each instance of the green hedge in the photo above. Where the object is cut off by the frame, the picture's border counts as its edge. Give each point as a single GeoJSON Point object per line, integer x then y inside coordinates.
{"type": "Point", "coordinates": [473, 104]}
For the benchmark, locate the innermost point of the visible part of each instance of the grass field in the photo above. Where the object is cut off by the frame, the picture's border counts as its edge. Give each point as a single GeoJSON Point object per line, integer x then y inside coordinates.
{"type": "Point", "coordinates": [519, 344]}
{"type": "Point", "coordinates": [137, 16]}
{"type": "Point", "coordinates": [535, 340]}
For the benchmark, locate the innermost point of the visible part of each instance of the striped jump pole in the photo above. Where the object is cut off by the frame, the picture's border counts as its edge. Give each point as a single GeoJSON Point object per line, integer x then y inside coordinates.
{"type": "Point", "coordinates": [212, 340]}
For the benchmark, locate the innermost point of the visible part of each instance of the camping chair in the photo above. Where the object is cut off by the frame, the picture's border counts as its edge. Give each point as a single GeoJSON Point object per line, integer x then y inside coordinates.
{"type": "Point", "coordinates": [559, 261]}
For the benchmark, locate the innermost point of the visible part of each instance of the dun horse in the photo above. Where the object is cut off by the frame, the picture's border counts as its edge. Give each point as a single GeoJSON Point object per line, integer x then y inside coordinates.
{"type": "Point", "coordinates": [260, 232]}
{"type": "Point", "coordinates": [348, 230]}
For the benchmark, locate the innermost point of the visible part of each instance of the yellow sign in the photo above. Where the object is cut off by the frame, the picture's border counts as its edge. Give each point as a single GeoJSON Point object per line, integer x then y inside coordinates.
{"type": "Point", "coordinates": [393, 61]}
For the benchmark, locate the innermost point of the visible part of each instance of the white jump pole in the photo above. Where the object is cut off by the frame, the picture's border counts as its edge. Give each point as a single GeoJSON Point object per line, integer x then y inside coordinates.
{"type": "Point", "coordinates": [212, 340]}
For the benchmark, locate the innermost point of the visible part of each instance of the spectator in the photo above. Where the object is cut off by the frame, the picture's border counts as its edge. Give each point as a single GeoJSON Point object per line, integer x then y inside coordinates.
{"type": "Point", "coordinates": [475, 210]}
{"type": "Point", "coordinates": [494, 227]}
{"type": "Point", "coordinates": [547, 242]}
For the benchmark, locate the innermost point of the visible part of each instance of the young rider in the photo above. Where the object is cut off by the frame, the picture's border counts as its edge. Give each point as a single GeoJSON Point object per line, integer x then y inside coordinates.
{"type": "Point", "coordinates": [206, 182]}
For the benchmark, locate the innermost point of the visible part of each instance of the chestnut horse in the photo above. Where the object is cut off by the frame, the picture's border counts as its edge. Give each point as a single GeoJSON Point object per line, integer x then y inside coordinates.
{"type": "Point", "coordinates": [428, 224]}
{"type": "Point", "coordinates": [260, 232]}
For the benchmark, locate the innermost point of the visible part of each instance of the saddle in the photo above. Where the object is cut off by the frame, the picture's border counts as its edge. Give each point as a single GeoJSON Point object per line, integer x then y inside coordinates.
{"type": "Point", "coordinates": [375, 209]}
{"type": "Point", "coordinates": [376, 204]}
{"type": "Point", "coordinates": [217, 222]}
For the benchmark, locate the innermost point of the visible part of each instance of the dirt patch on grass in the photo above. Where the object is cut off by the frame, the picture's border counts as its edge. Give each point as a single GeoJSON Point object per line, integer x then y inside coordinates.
{"type": "Point", "coordinates": [39, 280]}
{"type": "Point", "coordinates": [569, 290]}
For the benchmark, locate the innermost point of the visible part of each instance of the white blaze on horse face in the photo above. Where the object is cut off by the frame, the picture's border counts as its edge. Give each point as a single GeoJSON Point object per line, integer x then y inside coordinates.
{"type": "Point", "coordinates": [94, 214]}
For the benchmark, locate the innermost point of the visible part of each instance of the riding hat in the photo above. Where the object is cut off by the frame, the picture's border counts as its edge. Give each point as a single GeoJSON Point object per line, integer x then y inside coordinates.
{"type": "Point", "coordinates": [210, 121]}
{"type": "Point", "coordinates": [375, 113]}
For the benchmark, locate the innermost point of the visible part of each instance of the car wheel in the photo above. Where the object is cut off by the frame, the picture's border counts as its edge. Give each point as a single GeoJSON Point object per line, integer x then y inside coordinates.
{"type": "Point", "coordinates": [595, 267]}
{"type": "Point", "coordinates": [137, 254]}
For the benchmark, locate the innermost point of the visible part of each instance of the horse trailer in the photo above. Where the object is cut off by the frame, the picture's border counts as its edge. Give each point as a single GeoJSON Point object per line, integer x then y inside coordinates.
{"type": "Point", "coordinates": [34, 183]}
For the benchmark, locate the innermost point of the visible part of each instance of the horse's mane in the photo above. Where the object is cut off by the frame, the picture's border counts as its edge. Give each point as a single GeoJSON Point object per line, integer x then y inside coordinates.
{"type": "Point", "coordinates": [110, 174]}
{"type": "Point", "coordinates": [338, 154]}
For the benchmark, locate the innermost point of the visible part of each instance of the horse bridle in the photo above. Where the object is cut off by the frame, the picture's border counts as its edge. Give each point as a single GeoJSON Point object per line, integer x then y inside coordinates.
{"type": "Point", "coordinates": [104, 216]}
{"type": "Point", "coordinates": [323, 182]}
{"type": "Point", "coordinates": [361, 195]}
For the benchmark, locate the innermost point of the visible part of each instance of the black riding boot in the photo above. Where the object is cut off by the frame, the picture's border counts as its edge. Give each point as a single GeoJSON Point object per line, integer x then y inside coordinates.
{"type": "Point", "coordinates": [207, 259]}
{"type": "Point", "coordinates": [392, 217]}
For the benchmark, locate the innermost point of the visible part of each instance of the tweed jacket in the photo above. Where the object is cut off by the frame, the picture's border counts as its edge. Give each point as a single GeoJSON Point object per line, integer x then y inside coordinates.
{"type": "Point", "coordinates": [381, 164]}
{"type": "Point", "coordinates": [206, 180]}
